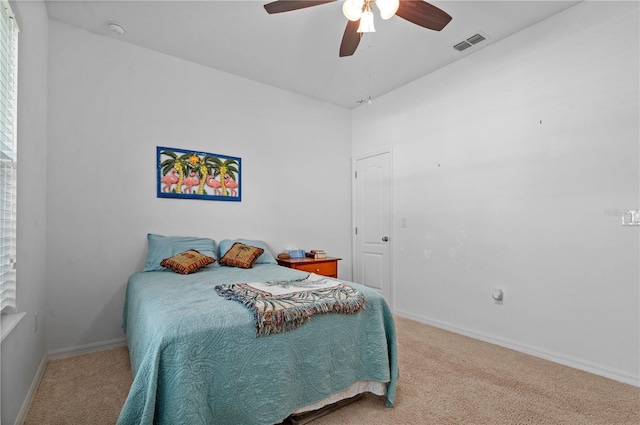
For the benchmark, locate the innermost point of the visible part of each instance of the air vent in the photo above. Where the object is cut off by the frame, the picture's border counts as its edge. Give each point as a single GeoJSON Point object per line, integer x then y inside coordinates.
{"type": "Point", "coordinates": [469, 42]}
{"type": "Point", "coordinates": [462, 46]}
{"type": "Point", "coordinates": [475, 39]}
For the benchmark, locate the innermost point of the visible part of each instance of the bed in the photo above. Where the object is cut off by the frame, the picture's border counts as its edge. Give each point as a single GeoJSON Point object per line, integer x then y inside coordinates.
{"type": "Point", "coordinates": [196, 358]}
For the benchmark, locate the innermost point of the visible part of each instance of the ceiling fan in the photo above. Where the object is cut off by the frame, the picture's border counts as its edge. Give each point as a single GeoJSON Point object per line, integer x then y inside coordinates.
{"type": "Point", "coordinates": [359, 13]}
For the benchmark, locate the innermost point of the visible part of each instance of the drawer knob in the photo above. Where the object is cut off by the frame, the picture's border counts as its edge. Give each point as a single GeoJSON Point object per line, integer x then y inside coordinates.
{"type": "Point", "coordinates": [317, 270]}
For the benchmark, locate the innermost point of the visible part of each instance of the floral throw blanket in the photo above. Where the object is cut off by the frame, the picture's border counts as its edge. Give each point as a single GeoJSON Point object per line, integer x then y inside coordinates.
{"type": "Point", "coordinates": [279, 306]}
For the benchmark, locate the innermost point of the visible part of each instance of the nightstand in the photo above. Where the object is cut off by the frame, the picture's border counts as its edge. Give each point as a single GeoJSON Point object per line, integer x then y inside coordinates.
{"type": "Point", "coordinates": [324, 266]}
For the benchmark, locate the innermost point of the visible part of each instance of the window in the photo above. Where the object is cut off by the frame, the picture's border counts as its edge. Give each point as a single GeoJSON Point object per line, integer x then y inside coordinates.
{"type": "Point", "coordinates": [8, 157]}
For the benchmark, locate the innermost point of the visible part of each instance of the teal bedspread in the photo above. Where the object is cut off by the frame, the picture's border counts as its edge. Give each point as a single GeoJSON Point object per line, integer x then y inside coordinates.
{"type": "Point", "coordinates": [196, 360]}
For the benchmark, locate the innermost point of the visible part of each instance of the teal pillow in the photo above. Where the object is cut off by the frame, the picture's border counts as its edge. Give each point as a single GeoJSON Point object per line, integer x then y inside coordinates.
{"type": "Point", "coordinates": [265, 258]}
{"type": "Point", "coordinates": [161, 247]}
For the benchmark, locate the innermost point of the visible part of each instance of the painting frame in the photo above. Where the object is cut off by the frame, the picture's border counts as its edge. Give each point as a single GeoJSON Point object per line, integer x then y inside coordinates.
{"type": "Point", "coordinates": [180, 172]}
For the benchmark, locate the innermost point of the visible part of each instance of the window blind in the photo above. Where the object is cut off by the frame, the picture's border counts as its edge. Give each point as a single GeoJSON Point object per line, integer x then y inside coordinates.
{"type": "Point", "coordinates": [8, 156]}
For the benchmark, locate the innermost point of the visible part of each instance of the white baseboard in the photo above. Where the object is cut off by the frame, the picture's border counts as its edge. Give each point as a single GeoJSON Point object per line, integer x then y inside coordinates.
{"type": "Point", "coordinates": [24, 410]}
{"type": "Point", "coordinates": [85, 349]}
{"type": "Point", "coordinates": [607, 372]}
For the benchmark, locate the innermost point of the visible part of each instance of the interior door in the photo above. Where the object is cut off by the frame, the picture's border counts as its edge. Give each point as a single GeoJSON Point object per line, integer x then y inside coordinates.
{"type": "Point", "coordinates": [372, 216]}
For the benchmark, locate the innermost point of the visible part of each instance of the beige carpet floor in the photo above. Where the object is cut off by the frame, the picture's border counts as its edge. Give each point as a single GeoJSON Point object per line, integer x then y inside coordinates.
{"type": "Point", "coordinates": [445, 379]}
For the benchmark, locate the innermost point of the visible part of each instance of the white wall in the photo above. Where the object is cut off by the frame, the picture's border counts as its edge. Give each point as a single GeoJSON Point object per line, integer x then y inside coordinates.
{"type": "Point", "coordinates": [23, 350]}
{"type": "Point", "coordinates": [110, 105]}
{"type": "Point", "coordinates": [509, 167]}
{"type": "Point", "coordinates": [492, 197]}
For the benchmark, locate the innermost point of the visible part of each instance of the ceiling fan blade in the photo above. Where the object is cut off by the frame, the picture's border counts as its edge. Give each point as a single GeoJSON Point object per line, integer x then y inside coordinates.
{"type": "Point", "coordinates": [350, 39]}
{"type": "Point", "coordinates": [287, 5]}
{"type": "Point", "coordinates": [424, 14]}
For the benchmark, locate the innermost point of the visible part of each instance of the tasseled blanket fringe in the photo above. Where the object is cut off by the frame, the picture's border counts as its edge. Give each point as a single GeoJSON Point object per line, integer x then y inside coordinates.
{"type": "Point", "coordinates": [278, 321]}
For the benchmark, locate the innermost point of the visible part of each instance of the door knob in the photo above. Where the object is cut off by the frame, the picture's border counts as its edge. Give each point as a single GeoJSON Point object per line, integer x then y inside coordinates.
{"type": "Point", "coordinates": [385, 239]}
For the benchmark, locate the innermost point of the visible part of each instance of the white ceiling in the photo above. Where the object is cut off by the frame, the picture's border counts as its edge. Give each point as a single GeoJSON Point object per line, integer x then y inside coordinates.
{"type": "Point", "coordinates": [298, 50]}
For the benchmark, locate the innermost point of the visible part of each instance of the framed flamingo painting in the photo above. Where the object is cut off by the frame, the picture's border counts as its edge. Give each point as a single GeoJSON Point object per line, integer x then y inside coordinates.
{"type": "Point", "coordinates": [198, 175]}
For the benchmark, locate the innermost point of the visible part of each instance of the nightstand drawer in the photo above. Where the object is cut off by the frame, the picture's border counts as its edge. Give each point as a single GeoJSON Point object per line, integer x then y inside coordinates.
{"type": "Point", "coordinates": [325, 266]}
{"type": "Point", "coordinates": [326, 269]}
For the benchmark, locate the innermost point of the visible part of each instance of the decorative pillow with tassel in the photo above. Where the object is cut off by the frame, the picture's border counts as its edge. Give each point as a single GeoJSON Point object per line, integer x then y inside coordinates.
{"type": "Point", "coordinates": [187, 262]}
{"type": "Point", "coordinates": [241, 255]}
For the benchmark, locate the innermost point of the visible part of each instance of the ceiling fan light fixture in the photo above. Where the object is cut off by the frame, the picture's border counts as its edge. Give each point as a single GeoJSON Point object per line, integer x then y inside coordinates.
{"type": "Point", "coordinates": [352, 9]}
{"type": "Point", "coordinates": [388, 8]}
{"type": "Point", "coordinates": [360, 16]}
{"type": "Point", "coordinates": [366, 22]}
